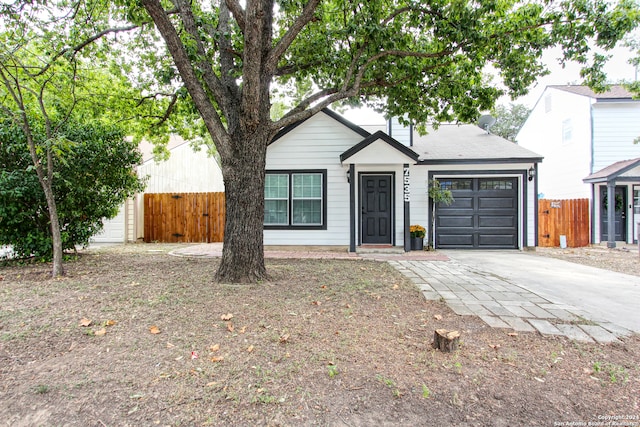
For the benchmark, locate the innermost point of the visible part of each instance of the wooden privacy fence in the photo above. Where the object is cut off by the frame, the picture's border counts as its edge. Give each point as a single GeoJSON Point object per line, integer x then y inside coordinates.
{"type": "Point", "coordinates": [184, 217]}
{"type": "Point", "coordinates": [568, 218]}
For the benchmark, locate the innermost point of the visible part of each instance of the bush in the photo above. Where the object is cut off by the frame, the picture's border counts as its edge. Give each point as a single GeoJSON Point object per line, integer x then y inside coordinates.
{"type": "Point", "coordinates": [94, 173]}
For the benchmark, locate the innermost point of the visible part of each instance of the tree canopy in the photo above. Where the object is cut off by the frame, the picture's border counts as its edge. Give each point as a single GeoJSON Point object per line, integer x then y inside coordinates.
{"type": "Point", "coordinates": [509, 120]}
{"type": "Point", "coordinates": [423, 61]}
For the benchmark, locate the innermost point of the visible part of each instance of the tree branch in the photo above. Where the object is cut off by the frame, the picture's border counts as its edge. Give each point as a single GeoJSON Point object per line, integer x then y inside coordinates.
{"type": "Point", "coordinates": [237, 11]}
{"type": "Point", "coordinates": [283, 44]}
{"type": "Point", "coordinates": [75, 49]}
{"type": "Point", "coordinates": [181, 58]}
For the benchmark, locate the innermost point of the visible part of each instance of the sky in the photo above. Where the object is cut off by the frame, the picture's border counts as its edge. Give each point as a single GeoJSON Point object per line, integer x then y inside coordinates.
{"type": "Point", "coordinates": [617, 69]}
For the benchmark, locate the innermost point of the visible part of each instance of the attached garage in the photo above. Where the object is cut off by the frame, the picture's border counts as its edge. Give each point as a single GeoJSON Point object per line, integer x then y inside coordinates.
{"type": "Point", "coordinates": [484, 214]}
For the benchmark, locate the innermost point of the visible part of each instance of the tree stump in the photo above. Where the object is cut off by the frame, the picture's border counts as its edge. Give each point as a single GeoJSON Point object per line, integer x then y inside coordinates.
{"type": "Point", "coordinates": [446, 341]}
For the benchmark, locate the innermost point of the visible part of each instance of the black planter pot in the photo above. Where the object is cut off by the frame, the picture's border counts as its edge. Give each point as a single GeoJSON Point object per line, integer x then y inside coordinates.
{"type": "Point", "coordinates": [417, 243]}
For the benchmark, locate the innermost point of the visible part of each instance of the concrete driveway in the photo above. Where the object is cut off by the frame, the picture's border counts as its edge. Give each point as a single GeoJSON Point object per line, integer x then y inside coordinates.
{"type": "Point", "coordinates": [600, 295]}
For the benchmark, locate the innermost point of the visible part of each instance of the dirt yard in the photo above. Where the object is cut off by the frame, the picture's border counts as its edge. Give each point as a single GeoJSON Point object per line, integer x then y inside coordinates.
{"type": "Point", "coordinates": [135, 337]}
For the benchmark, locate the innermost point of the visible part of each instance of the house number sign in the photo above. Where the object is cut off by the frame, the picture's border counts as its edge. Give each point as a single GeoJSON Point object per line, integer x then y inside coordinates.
{"type": "Point", "coordinates": [407, 191]}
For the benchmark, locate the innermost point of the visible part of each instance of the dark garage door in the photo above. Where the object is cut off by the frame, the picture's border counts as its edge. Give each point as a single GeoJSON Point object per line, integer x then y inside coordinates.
{"type": "Point", "coordinates": [484, 214]}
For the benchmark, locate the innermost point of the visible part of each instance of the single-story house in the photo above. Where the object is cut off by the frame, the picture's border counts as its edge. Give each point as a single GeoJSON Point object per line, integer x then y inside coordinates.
{"type": "Point", "coordinates": [332, 183]}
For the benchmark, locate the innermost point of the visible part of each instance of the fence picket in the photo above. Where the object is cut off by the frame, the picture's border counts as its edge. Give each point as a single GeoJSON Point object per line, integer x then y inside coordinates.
{"type": "Point", "coordinates": [184, 217]}
{"type": "Point", "coordinates": [568, 217]}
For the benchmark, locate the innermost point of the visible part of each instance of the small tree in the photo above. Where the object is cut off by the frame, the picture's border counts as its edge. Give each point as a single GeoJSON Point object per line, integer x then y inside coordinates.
{"type": "Point", "coordinates": [509, 120]}
{"type": "Point", "coordinates": [438, 195]}
{"type": "Point", "coordinates": [91, 180]}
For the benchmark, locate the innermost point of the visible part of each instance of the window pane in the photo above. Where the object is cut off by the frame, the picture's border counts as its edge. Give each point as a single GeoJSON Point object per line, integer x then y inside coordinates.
{"type": "Point", "coordinates": [455, 184]}
{"type": "Point", "coordinates": [276, 186]}
{"type": "Point", "coordinates": [307, 212]}
{"type": "Point", "coordinates": [276, 212]}
{"type": "Point", "coordinates": [307, 185]}
{"type": "Point", "coordinates": [496, 184]}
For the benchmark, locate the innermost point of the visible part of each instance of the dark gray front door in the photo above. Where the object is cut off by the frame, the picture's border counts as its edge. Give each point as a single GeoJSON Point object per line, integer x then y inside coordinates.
{"type": "Point", "coordinates": [484, 214]}
{"type": "Point", "coordinates": [620, 217]}
{"type": "Point", "coordinates": [376, 203]}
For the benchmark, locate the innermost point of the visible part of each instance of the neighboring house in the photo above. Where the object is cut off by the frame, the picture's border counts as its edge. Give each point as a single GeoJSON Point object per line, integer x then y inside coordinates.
{"type": "Point", "coordinates": [332, 183]}
{"type": "Point", "coordinates": [583, 136]}
{"type": "Point", "coordinates": [186, 171]}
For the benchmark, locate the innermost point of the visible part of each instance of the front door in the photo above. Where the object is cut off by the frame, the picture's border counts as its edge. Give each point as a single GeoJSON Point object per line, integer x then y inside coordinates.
{"type": "Point", "coordinates": [620, 217]}
{"type": "Point", "coordinates": [376, 204]}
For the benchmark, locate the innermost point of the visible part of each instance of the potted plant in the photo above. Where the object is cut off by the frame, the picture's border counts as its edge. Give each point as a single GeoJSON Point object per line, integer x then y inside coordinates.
{"type": "Point", "coordinates": [417, 233]}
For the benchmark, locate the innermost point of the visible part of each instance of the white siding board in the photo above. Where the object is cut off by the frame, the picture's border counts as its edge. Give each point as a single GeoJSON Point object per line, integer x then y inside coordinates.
{"type": "Point", "coordinates": [186, 171]}
{"type": "Point", "coordinates": [565, 164]}
{"type": "Point", "coordinates": [616, 125]}
{"type": "Point", "coordinates": [316, 144]}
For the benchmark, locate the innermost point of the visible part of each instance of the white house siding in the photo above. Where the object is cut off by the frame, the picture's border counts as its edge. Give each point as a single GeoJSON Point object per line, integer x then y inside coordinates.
{"type": "Point", "coordinates": [399, 132]}
{"type": "Point", "coordinates": [419, 197]}
{"type": "Point", "coordinates": [566, 163]}
{"type": "Point", "coordinates": [316, 144]}
{"type": "Point", "coordinates": [186, 171]}
{"type": "Point", "coordinates": [613, 142]}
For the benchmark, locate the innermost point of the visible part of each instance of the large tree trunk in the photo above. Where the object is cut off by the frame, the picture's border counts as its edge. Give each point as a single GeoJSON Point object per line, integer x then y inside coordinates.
{"type": "Point", "coordinates": [243, 251]}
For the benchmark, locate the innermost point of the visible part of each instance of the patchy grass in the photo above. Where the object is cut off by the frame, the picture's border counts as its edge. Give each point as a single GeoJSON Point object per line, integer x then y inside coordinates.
{"type": "Point", "coordinates": [323, 342]}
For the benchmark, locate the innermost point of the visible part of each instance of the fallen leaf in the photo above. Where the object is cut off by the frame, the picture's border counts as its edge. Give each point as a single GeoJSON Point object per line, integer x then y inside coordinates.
{"type": "Point", "coordinates": [284, 338]}
{"type": "Point", "coordinates": [437, 316]}
{"type": "Point", "coordinates": [347, 305]}
{"type": "Point", "coordinates": [194, 355]}
{"type": "Point", "coordinates": [85, 322]}
{"type": "Point", "coordinates": [154, 330]}
{"type": "Point", "coordinates": [214, 348]}
{"type": "Point", "coordinates": [230, 326]}
{"type": "Point", "coordinates": [494, 346]}
{"type": "Point", "coordinates": [316, 303]}
{"type": "Point", "coordinates": [110, 323]}
{"type": "Point", "coordinates": [249, 349]}
{"type": "Point", "coordinates": [513, 334]}
{"type": "Point", "coordinates": [243, 330]}
{"type": "Point", "coordinates": [395, 286]}
{"type": "Point", "coordinates": [100, 332]}
{"type": "Point", "coordinates": [227, 316]}
{"type": "Point", "coordinates": [217, 359]}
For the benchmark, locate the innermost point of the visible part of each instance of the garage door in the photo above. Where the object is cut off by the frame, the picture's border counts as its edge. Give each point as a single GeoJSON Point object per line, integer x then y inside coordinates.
{"type": "Point", "coordinates": [113, 231]}
{"type": "Point", "coordinates": [484, 214]}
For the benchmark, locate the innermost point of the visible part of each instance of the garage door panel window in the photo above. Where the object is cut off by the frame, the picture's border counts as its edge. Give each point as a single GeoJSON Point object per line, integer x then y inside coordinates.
{"type": "Point", "coordinates": [295, 199]}
{"type": "Point", "coordinates": [456, 184]}
{"type": "Point", "coordinates": [496, 184]}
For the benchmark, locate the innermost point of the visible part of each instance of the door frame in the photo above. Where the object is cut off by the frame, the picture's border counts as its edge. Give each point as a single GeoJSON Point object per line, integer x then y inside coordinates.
{"type": "Point", "coordinates": [392, 211]}
{"type": "Point", "coordinates": [624, 231]}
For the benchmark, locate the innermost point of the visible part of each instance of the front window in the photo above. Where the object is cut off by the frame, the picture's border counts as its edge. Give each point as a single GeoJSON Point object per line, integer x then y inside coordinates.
{"type": "Point", "coordinates": [295, 199]}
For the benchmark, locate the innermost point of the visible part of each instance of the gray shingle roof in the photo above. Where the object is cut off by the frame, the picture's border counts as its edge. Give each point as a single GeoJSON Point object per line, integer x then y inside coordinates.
{"type": "Point", "coordinates": [613, 170]}
{"type": "Point", "coordinates": [459, 143]}
{"type": "Point", "coordinates": [614, 92]}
